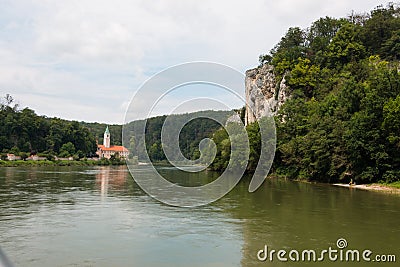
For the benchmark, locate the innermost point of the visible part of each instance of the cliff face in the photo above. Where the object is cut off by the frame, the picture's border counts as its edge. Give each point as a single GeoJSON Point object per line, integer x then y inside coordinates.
{"type": "Point", "coordinates": [264, 94]}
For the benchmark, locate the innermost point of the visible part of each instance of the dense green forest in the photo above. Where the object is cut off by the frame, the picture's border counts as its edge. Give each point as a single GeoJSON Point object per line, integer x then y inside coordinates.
{"type": "Point", "coordinates": [23, 132]}
{"type": "Point", "coordinates": [342, 120]}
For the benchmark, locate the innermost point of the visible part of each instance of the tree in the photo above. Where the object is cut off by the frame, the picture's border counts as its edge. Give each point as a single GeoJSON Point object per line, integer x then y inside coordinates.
{"type": "Point", "coordinates": [221, 139]}
{"type": "Point", "coordinates": [287, 52]}
{"type": "Point", "coordinates": [67, 150]}
{"type": "Point", "coordinates": [346, 46]}
{"type": "Point", "coordinates": [391, 121]}
{"type": "Point", "coordinates": [304, 75]}
{"type": "Point", "coordinates": [254, 135]}
{"type": "Point", "coordinates": [319, 35]}
{"type": "Point", "coordinates": [391, 47]}
{"type": "Point", "coordinates": [6, 103]}
{"type": "Point", "coordinates": [382, 25]}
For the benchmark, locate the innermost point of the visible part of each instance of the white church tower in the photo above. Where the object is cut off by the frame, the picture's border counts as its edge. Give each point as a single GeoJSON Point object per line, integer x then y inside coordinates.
{"type": "Point", "coordinates": [106, 141]}
{"type": "Point", "coordinates": [106, 150]}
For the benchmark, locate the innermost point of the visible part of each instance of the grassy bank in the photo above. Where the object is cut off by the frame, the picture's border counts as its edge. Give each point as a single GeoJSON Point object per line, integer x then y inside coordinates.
{"type": "Point", "coordinates": [102, 162]}
{"type": "Point", "coordinates": [392, 185]}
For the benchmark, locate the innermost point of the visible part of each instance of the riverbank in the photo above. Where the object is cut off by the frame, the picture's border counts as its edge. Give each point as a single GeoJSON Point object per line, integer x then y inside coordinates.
{"type": "Point", "coordinates": [387, 188]}
{"type": "Point", "coordinates": [102, 162]}
{"type": "Point", "coordinates": [393, 188]}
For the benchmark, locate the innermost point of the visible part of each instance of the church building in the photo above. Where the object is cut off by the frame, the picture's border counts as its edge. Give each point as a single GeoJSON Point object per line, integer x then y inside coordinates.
{"type": "Point", "coordinates": [106, 150]}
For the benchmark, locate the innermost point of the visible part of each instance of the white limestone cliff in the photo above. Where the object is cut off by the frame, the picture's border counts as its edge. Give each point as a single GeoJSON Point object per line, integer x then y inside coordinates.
{"type": "Point", "coordinates": [264, 94]}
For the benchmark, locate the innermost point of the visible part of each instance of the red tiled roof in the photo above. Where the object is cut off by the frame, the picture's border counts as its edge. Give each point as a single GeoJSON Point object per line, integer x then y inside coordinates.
{"type": "Point", "coordinates": [113, 148]}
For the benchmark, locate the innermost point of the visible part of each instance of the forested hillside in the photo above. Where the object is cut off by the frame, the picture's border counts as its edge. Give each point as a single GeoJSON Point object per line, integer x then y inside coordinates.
{"type": "Point", "coordinates": [342, 121]}
{"type": "Point", "coordinates": [23, 132]}
{"type": "Point", "coordinates": [189, 138]}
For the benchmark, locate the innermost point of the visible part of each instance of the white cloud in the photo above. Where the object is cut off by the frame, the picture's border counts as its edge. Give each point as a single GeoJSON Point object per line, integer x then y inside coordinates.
{"type": "Point", "coordinates": [84, 59]}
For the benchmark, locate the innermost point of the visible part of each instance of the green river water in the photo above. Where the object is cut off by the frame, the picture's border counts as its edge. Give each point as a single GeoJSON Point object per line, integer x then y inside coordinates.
{"type": "Point", "coordinates": [98, 216]}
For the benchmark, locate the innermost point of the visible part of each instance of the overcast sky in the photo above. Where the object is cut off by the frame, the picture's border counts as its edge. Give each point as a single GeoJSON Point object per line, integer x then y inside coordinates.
{"type": "Point", "coordinates": [84, 60]}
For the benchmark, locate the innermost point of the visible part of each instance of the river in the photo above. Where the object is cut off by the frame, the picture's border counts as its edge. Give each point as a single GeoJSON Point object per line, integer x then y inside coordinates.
{"type": "Point", "coordinates": [98, 216]}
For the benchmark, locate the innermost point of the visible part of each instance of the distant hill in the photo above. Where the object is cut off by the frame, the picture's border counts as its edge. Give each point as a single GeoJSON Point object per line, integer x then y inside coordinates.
{"type": "Point", "coordinates": [191, 135]}
{"type": "Point", "coordinates": [23, 132]}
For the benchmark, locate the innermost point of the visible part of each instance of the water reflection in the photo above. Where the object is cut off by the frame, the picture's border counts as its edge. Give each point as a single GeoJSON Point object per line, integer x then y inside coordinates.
{"type": "Point", "coordinates": [111, 176]}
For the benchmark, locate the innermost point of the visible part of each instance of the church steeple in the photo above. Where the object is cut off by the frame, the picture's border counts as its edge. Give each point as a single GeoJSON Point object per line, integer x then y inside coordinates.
{"type": "Point", "coordinates": [106, 141]}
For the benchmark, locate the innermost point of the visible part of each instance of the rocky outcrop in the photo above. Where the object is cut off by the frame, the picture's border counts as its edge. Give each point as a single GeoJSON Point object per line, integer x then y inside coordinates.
{"type": "Point", "coordinates": [264, 94]}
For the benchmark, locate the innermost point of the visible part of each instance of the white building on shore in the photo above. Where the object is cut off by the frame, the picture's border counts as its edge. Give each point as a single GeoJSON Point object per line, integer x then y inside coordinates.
{"type": "Point", "coordinates": [106, 150]}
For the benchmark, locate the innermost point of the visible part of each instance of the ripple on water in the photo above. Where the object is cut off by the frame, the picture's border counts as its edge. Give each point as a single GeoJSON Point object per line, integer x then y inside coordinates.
{"type": "Point", "coordinates": [98, 216]}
